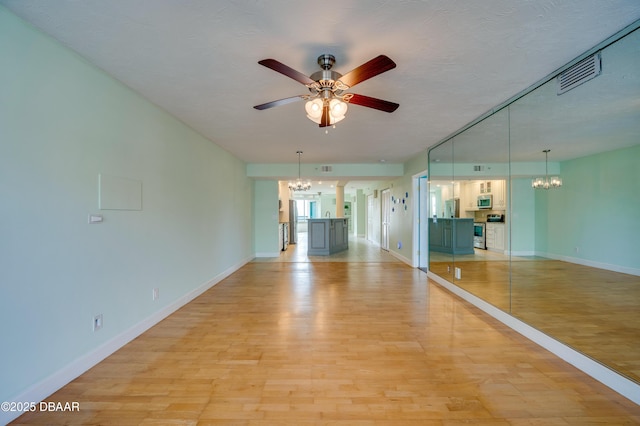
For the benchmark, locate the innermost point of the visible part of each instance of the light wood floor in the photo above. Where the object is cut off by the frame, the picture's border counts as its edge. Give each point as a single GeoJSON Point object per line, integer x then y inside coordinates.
{"type": "Point", "coordinates": [595, 311]}
{"type": "Point", "coordinates": [360, 250]}
{"type": "Point", "coordinates": [325, 343]}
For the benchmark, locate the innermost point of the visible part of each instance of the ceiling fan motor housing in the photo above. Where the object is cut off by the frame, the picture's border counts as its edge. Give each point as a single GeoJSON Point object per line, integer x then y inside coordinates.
{"type": "Point", "coordinates": [326, 78]}
{"type": "Point", "coordinates": [326, 61]}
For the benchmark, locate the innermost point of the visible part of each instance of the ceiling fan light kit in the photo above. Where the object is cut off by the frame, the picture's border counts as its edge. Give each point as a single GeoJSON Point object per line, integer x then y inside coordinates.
{"type": "Point", "coordinates": [337, 110]}
{"type": "Point", "coordinates": [326, 104]}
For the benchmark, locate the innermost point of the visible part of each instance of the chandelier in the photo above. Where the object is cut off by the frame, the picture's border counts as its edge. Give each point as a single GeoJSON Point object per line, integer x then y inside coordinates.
{"type": "Point", "coordinates": [299, 185]}
{"type": "Point", "coordinates": [546, 182]}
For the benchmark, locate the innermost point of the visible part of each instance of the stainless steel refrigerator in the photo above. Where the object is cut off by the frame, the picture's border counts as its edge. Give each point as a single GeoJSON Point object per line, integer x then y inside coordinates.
{"type": "Point", "coordinates": [452, 207]}
{"type": "Point", "coordinates": [293, 222]}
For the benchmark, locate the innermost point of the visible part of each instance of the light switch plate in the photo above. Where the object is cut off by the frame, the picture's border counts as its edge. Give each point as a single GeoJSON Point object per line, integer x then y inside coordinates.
{"type": "Point", "coordinates": [95, 218]}
{"type": "Point", "coordinates": [97, 322]}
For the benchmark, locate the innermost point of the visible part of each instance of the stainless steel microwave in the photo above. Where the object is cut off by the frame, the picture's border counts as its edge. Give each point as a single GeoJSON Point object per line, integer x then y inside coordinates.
{"type": "Point", "coordinates": [485, 201]}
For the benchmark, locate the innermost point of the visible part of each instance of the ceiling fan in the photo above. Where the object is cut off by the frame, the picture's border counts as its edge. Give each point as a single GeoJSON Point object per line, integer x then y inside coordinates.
{"type": "Point", "coordinates": [326, 103]}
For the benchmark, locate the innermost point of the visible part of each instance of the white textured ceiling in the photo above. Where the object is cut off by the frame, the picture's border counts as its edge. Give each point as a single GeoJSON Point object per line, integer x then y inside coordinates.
{"type": "Point", "coordinates": [455, 61]}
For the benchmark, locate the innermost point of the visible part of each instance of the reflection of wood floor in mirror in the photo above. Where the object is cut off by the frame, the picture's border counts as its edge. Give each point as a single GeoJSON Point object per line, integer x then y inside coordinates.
{"type": "Point", "coordinates": [592, 310]}
{"type": "Point", "coordinates": [359, 342]}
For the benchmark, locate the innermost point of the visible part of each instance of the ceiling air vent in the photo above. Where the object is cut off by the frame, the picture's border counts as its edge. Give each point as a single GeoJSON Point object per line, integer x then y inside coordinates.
{"type": "Point", "coordinates": [326, 169]}
{"type": "Point", "coordinates": [581, 72]}
{"type": "Point", "coordinates": [478, 168]}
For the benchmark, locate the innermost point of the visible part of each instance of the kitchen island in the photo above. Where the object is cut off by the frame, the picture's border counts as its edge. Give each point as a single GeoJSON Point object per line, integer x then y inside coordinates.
{"type": "Point", "coordinates": [451, 235]}
{"type": "Point", "coordinates": [327, 236]}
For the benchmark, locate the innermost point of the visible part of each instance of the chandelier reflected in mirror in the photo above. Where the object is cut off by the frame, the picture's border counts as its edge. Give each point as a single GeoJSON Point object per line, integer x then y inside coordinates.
{"type": "Point", "coordinates": [299, 185]}
{"type": "Point", "coordinates": [546, 182]}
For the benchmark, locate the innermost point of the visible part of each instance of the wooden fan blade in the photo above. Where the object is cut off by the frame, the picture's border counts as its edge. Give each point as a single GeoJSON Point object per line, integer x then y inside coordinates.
{"type": "Point", "coordinates": [376, 66]}
{"type": "Point", "coordinates": [370, 102]}
{"type": "Point", "coordinates": [324, 121]}
{"type": "Point", "coordinates": [288, 71]}
{"type": "Point", "coordinates": [279, 102]}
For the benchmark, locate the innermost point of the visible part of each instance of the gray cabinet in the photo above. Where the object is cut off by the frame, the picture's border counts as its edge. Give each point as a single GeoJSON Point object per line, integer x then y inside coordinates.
{"type": "Point", "coordinates": [453, 236]}
{"type": "Point", "coordinates": [327, 236]}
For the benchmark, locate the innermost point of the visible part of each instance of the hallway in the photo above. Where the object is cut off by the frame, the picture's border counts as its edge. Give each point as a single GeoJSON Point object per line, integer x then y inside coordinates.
{"type": "Point", "coordinates": [360, 250]}
{"type": "Point", "coordinates": [288, 341]}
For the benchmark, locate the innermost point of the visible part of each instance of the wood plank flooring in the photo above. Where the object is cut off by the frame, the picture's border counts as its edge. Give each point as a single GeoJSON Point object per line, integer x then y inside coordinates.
{"type": "Point", "coordinates": [334, 343]}
{"type": "Point", "coordinates": [595, 311]}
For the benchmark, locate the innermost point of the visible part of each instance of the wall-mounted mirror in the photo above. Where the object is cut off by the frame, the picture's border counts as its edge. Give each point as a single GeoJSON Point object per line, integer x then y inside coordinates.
{"type": "Point", "coordinates": [570, 264]}
{"type": "Point", "coordinates": [586, 231]}
{"type": "Point", "coordinates": [481, 172]}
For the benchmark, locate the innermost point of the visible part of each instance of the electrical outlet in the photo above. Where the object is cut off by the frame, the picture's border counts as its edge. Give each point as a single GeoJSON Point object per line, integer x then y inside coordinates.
{"type": "Point", "coordinates": [155, 294]}
{"type": "Point", "coordinates": [458, 273]}
{"type": "Point", "coordinates": [97, 322]}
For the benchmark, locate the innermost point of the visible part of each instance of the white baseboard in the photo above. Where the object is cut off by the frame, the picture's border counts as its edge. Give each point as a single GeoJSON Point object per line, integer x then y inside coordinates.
{"type": "Point", "coordinates": [608, 377]}
{"type": "Point", "coordinates": [593, 264]}
{"type": "Point", "coordinates": [520, 253]}
{"type": "Point", "coordinates": [268, 254]}
{"type": "Point", "coordinates": [375, 243]}
{"type": "Point", "coordinates": [401, 258]}
{"type": "Point", "coordinates": [39, 391]}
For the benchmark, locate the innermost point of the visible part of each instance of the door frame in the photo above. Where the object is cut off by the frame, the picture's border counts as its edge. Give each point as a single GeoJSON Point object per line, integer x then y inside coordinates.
{"type": "Point", "coordinates": [385, 223]}
{"type": "Point", "coordinates": [421, 220]}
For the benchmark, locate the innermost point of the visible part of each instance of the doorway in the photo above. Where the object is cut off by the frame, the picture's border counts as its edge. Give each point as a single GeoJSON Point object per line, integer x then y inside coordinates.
{"type": "Point", "coordinates": [386, 218]}
{"type": "Point", "coordinates": [370, 216]}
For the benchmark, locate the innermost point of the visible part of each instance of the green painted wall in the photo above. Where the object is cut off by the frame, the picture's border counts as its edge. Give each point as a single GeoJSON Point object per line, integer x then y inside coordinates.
{"type": "Point", "coordinates": [595, 211]}
{"type": "Point", "coordinates": [266, 218]}
{"type": "Point", "coordinates": [62, 123]}
{"type": "Point", "coordinates": [328, 204]}
{"type": "Point", "coordinates": [401, 227]}
{"type": "Point", "coordinates": [522, 217]}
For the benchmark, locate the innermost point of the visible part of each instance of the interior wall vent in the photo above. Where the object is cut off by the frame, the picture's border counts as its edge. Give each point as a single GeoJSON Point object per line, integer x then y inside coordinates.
{"type": "Point", "coordinates": [581, 72]}
{"type": "Point", "coordinates": [478, 168]}
{"type": "Point", "coordinates": [326, 169]}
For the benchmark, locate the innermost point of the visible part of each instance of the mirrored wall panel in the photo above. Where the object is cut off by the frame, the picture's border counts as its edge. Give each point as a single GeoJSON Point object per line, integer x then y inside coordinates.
{"type": "Point", "coordinates": [481, 172]}
{"type": "Point", "coordinates": [561, 165]}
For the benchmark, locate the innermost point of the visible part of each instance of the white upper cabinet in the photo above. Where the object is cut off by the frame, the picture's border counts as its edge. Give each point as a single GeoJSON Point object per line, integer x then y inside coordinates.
{"type": "Point", "coordinates": [470, 190]}
{"type": "Point", "coordinates": [499, 192]}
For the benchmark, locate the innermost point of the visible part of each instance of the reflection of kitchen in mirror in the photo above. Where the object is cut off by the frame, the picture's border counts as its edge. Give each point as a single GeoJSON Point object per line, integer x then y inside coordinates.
{"type": "Point", "coordinates": [476, 207]}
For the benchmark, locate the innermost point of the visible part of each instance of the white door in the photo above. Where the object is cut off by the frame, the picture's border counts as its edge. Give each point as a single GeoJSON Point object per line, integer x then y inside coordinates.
{"type": "Point", "coordinates": [370, 217]}
{"type": "Point", "coordinates": [386, 218]}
